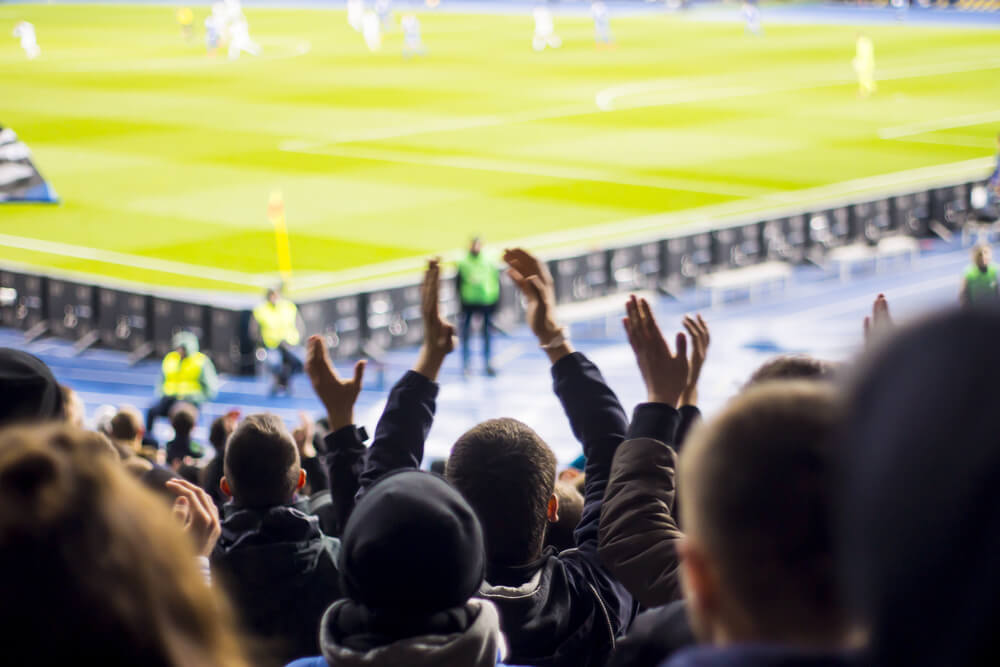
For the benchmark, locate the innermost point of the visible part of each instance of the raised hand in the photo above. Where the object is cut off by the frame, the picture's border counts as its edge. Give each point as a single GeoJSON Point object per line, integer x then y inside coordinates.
{"type": "Point", "coordinates": [303, 435]}
{"type": "Point", "coordinates": [197, 514]}
{"type": "Point", "coordinates": [533, 278]}
{"type": "Point", "coordinates": [439, 334]}
{"type": "Point", "coordinates": [665, 373]}
{"type": "Point", "coordinates": [337, 396]}
{"type": "Point", "coordinates": [880, 321]}
{"type": "Point", "coordinates": [697, 328]}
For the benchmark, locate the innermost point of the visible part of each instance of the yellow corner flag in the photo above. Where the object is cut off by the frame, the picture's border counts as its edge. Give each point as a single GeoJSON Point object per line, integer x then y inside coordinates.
{"type": "Point", "coordinates": [276, 213]}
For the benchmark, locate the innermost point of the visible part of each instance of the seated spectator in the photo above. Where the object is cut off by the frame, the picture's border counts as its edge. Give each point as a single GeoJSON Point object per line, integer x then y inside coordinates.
{"type": "Point", "coordinates": [419, 608]}
{"type": "Point", "coordinates": [126, 431]}
{"type": "Point", "coordinates": [316, 475]}
{"type": "Point", "coordinates": [93, 569]}
{"type": "Point", "coordinates": [211, 475]}
{"type": "Point", "coordinates": [182, 450]}
{"type": "Point", "coordinates": [275, 562]}
{"type": "Point", "coordinates": [917, 495]}
{"type": "Point", "coordinates": [555, 609]}
{"type": "Point", "coordinates": [560, 534]}
{"type": "Point", "coordinates": [758, 558]}
{"type": "Point", "coordinates": [28, 390]}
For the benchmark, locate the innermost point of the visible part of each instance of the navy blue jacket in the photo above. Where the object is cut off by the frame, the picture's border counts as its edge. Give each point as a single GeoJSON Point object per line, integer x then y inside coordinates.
{"type": "Point", "coordinates": [563, 609]}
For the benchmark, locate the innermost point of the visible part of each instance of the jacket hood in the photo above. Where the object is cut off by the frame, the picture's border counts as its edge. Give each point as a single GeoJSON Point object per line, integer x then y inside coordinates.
{"type": "Point", "coordinates": [187, 340]}
{"type": "Point", "coordinates": [480, 644]}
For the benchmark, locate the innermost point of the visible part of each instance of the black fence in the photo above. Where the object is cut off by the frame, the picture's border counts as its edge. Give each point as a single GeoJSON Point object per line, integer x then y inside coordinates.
{"type": "Point", "coordinates": [367, 322]}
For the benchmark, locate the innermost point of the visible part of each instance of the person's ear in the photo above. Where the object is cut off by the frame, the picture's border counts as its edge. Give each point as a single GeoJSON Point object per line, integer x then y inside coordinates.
{"type": "Point", "coordinates": [302, 480]}
{"type": "Point", "coordinates": [224, 486]}
{"type": "Point", "coordinates": [700, 586]}
{"type": "Point", "coordinates": [553, 509]}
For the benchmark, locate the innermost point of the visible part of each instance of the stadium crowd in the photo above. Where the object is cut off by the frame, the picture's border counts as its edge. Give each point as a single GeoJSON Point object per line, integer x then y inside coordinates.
{"type": "Point", "coordinates": [828, 515]}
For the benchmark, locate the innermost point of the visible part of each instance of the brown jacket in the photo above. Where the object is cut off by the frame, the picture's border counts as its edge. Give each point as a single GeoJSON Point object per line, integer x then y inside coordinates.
{"type": "Point", "coordinates": [638, 534]}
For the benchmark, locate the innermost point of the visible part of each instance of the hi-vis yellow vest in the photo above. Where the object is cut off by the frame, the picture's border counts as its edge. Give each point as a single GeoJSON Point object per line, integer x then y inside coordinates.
{"type": "Point", "coordinates": [277, 323]}
{"type": "Point", "coordinates": [182, 377]}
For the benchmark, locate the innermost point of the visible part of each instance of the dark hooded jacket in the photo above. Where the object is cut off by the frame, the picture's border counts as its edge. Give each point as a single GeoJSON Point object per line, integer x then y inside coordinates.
{"type": "Point", "coordinates": [280, 571]}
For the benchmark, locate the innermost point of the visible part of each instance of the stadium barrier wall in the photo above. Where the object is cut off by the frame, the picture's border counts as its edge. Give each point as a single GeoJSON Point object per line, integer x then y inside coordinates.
{"type": "Point", "coordinates": [373, 320]}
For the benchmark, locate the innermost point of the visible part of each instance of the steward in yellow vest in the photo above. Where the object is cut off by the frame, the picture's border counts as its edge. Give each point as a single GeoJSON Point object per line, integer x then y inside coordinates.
{"type": "Point", "coordinates": [278, 327]}
{"type": "Point", "coordinates": [186, 375]}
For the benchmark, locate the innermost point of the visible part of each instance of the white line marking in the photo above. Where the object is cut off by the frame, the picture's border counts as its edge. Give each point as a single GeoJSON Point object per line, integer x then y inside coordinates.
{"type": "Point", "coordinates": [149, 263]}
{"type": "Point", "coordinates": [924, 127]}
{"type": "Point", "coordinates": [548, 171]}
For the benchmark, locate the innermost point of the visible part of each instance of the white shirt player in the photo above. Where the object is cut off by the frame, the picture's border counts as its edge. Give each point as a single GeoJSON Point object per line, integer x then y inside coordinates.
{"type": "Point", "coordinates": [239, 39]}
{"type": "Point", "coordinates": [355, 14]}
{"type": "Point", "coordinates": [29, 42]}
{"type": "Point", "coordinates": [545, 30]}
{"type": "Point", "coordinates": [371, 29]}
{"type": "Point", "coordinates": [412, 43]}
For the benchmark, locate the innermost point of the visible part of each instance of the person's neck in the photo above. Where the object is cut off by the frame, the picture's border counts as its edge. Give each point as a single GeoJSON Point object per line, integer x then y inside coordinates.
{"type": "Point", "coordinates": [815, 639]}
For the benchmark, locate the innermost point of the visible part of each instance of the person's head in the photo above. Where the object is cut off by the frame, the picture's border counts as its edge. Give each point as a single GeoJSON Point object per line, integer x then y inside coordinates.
{"type": "Point", "coordinates": [476, 246]}
{"type": "Point", "coordinates": [219, 432]}
{"type": "Point", "coordinates": [127, 427]}
{"type": "Point", "coordinates": [72, 407]}
{"type": "Point", "coordinates": [28, 390]}
{"type": "Point", "coordinates": [508, 475]}
{"type": "Point", "coordinates": [185, 343]}
{"type": "Point", "coordinates": [92, 567]}
{"type": "Point", "coordinates": [183, 417]}
{"type": "Point", "coordinates": [560, 533]}
{"type": "Point", "coordinates": [273, 294]}
{"type": "Point", "coordinates": [412, 547]}
{"type": "Point", "coordinates": [919, 524]}
{"type": "Point", "coordinates": [757, 558]}
{"type": "Point", "coordinates": [982, 256]}
{"type": "Point", "coordinates": [261, 467]}
{"type": "Point", "coordinates": [792, 367]}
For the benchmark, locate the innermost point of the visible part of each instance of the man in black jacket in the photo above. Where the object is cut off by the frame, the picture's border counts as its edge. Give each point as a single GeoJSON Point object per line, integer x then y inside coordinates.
{"type": "Point", "coordinates": [555, 609]}
{"type": "Point", "coordinates": [274, 561]}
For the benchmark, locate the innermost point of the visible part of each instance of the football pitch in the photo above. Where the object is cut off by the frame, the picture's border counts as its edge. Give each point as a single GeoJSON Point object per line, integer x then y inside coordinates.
{"type": "Point", "coordinates": [165, 157]}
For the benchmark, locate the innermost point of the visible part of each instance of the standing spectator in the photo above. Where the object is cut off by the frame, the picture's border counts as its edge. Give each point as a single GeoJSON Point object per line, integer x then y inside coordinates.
{"type": "Point", "coordinates": [979, 285]}
{"type": "Point", "coordinates": [274, 560]}
{"type": "Point", "coordinates": [479, 293]}
{"type": "Point", "coordinates": [277, 325]}
{"type": "Point", "coordinates": [187, 374]}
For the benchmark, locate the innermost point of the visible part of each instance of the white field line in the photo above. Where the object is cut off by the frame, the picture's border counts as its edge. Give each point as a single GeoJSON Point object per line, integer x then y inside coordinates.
{"type": "Point", "coordinates": [923, 127]}
{"type": "Point", "coordinates": [967, 142]}
{"type": "Point", "coordinates": [139, 261]}
{"type": "Point", "coordinates": [548, 171]}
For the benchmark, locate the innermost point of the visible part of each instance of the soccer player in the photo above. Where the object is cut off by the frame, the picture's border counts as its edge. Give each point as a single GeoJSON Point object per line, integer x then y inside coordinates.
{"type": "Point", "coordinates": [371, 28]}
{"type": "Point", "coordinates": [383, 9]}
{"type": "Point", "coordinates": [355, 14]}
{"type": "Point", "coordinates": [413, 45]}
{"type": "Point", "coordinates": [185, 19]}
{"type": "Point", "coordinates": [545, 30]}
{"type": "Point", "coordinates": [751, 17]}
{"type": "Point", "coordinates": [29, 42]}
{"type": "Point", "coordinates": [864, 65]}
{"type": "Point", "coordinates": [239, 38]}
{"type": "Point", "coordinates": [602, 25]}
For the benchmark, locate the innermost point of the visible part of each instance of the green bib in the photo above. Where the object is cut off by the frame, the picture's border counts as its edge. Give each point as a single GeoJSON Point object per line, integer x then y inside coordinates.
{"type": "Point", "coordinates": [479, 278]}
{"type": "Point", "coordinates": [982, 285]}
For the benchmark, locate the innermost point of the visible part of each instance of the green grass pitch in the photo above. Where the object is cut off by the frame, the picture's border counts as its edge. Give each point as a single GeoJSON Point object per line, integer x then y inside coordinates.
{"type": "Point", "coordinates": [165, 158]}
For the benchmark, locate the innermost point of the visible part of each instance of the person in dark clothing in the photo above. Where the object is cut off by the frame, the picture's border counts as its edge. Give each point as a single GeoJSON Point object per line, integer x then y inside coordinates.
{"type": "Point", "coordinates": [916, 494]}
{"type": "Point", "coordinates": [273, 560]}
{"type": "Point", "coordinates": [28, 390]}
{"type": "Point", "coordinates": [182, 449]}
{"type": "Point", "coordinates": [211, 475]}
{"type": "Point", "coordinates": [418, 610]}
{"type": "Point", "coordinates": [757, 559]}
{"type": "Point", "coordinates": [555, 609]}
{"type": "Point", "coordinates": [655, 635]}
{"type": "Point", "coordinates": [479, 293]}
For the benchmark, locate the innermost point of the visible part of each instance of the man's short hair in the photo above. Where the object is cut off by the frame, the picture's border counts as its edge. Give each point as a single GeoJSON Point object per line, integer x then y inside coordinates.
{"type": "Point", "coordinates": [756, 494]}
{"type": "Point", "coordinates": [507, 473]}
{"type": "Point", "coordinates": [127, 424]}
{"type": "Point", "coordinates": [792, 367]}
{"type": "Point", "coordinates": [183, 417]}
{"type": "Point", "coordinates": [262, 462]}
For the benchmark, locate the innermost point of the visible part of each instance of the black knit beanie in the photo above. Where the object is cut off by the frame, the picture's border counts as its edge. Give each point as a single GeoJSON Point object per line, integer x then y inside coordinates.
{"type": "Point", "coordinates": [28, 390]}
{"type": "Point", "coordinates": [412, 546]}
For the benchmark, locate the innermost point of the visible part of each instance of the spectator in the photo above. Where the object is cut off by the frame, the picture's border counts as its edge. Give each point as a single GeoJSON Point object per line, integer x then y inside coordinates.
{"type": "Point", "coordinates": [182, 450]}
{"type": "Point", "coordinates": [93, 569]}
{"type": "Point", "coordinates": [918, 514]}
{"type": "Point", "coordinates": [28, 390]}
{"type": "Point", "coordinates": [758, 556]}
{"type": "Point", "coordinates": [792, 367]}
{"type": "Point", "coordinates": [554, 609]}
{"type": "Point", "coordinates": [419, 609]}
{"type": "Point", "coordinates": [211, 475]}
{"type": "Point", "coordinates": [479, 293]}
{"type": "Point", "coordinates": [275, 562]}
{"type": "Point", "coordinates": [979, 286]}
{"type": "Point", "coordinates": [277, 325]}
{"type": "Point", "coordinates": [570, 502]}
{"type": "Point", "coordinates": [316, 475]}
{"type": "Point", "coordinates": [127, 431]}
{"type": "Point", "coordinates": [185, 375]}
